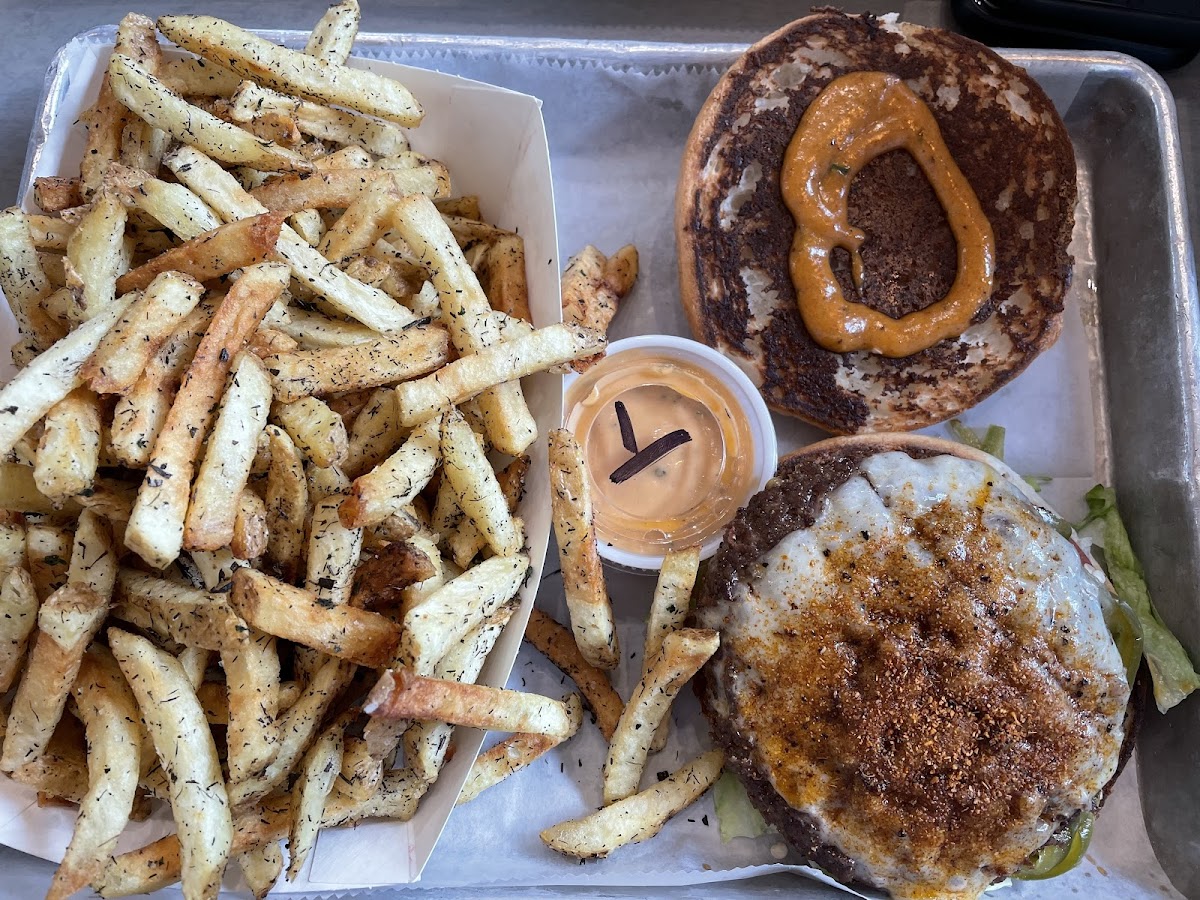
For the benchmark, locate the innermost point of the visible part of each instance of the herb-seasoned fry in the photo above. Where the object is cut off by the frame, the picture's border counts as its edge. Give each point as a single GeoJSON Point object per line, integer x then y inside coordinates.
{"type": "Point", "coordinates": [252, 675]}
{"type": "Point", "coordinates": [375, 435]}
{"type": "Point", "coordinates": [228, 456]}
{"type": "Point", "coordinates": [69, 449]}
{"type": "Point", "coordinates": [396, 481]}
{"type": "Point", "coordinates": [110, 716]}
{"type": "Point", "coordinates": [348, 633]}
{"type": "Point", "coordinates": [171, 204]}
{"type": "Point", "coordinates": [514, 753]}
{"type": "Point", "coordinates": [287, 502]}
{"type": "Point", "coordinates": [361, 772]}
{"type": "Point", "coordinates": [188, 755]}
{"type": "Point", "coordinates": [559, 646]}
{"type": "Point", "coordinates": [261, 867]}
{"type": "Point", "coordinates": [475, 484]}
{"type": "Point", "coordinates": [145, 95]}
{"type": "Point", "coordinates": [575, 530]}
{"type": "Point", "coordinates": [637, 818]}
{"type": "Point", "coordinates": [401, 694]}
{"type": "Point", "coordinates": [593, 285]}
{"type": "Point", "coordinates": [333, 552]}
{"type": "Point", "coordinates": [250, 536]}
{"type": "Point", "coordinates": [292, 72]}
{"type": "Point", "coordinates": [175, 612]}
{"type": "Point", "coordinates": [468, 376]}
{"type": "Point", "coordinates": [21, 276]}
{"type": "Point", "coordinates": [67, 622]}
{"type": "Point", "coordinates": [333, 36]}
{"type": "Point", "coordinates": [668, 610]}
{"type": "Point", "coordinates": [319, 771]}
{"type": "Point", "coordinates": [18, 615]}
{"type": "Point", "coordinates": [315, 331]}
{"type": "Point", "coordinates": [432, 626]}
{"type": "Point", "coordinates": [317, 431]}
{"type": "Point", "coordinates": [155, 530]}
{"type": "Point", "coordinates": [467, 540]}
{"type": "Point", "coordinates": [414, 352]}
{"type": "Point", "coordinates": [212, 254]}
{"type": "Point", "coordinates": [147, 323]}
{"type": "Point", "coordinates": [50, 377]}
{"type": "Point", "coordinates": [682, 654]}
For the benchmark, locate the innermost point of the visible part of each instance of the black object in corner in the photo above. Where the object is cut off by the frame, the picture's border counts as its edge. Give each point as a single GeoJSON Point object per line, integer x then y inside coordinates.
{"type": "Point", "coordinates": [1163, 33]}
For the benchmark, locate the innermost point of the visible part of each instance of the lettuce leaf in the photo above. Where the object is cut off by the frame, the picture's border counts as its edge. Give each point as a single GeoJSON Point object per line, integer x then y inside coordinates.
{"type": "Point", "coordinates": [1171, 671]}
{"type": "Point", "coordinates": [736, 815]}
{"type": "Point", "coordinates": [990, 442]}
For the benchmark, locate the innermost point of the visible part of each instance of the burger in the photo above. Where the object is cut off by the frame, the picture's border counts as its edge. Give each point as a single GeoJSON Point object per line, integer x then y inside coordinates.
{"type": "Point", "coordinates": [916, 684]}
{"type": "Point", "coordinates": [998, 158]}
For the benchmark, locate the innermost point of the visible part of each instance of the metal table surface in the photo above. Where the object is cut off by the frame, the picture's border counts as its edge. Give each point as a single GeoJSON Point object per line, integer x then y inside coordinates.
{"type": "Point", "coordinates": [31, 32]}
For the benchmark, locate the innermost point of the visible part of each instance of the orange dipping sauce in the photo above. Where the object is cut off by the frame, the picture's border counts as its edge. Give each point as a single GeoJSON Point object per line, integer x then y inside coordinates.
{"type": "Point", "coordinates": [687, 495]}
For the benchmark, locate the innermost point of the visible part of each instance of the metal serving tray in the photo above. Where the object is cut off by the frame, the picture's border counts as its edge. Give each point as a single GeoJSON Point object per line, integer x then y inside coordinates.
{"type": "Point", "coordinates": [1135, 283]}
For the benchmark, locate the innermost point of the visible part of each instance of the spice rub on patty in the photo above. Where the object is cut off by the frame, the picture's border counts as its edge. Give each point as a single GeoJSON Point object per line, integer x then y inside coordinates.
{"type": "Point", "coordinates": [915, 682]}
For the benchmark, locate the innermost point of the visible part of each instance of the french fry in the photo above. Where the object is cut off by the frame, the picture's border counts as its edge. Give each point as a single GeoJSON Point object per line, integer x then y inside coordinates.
{"type": "Point", "coordinates": [510, 425]}
{"type": "Point", "coordinates": [366, 638]}
{"type": "Point", "coordinates": [12, 545]}
{"type": "Point", "coordinates": [49, 232]}
{"type": "Point", "coordinates": [502, 275]}
{"type": "Point", "coordinates": [432, 626]}
{"type": "Point", "coordinates": [96, 255]}
{"type": "Point", "coordinates": [105, 120]}
{"type": "Point", "coordinates": [320, 769]}
{"type": "Point", "coordinates": [287, 502]}
{"type": "Point", "coordinates": [575, 530]}
{"type": "Point", "coordinates": [198, 77]}
{"type": "Point", "coordinates": [69, 449]}
{"type": "Point", "coordinates": [177, 208]}
{"type": "Point", "coordinates": [55, 194]}
{"type": "Point", "coordinates": [229, 455]}
{"type": "Point", "coordinates": [21, 276]}
{"type": "Point", "coordinates": [668, 610]}
{"type": "Point", "coordinates": [382, 576]}
{"type": "Point", "coordinates": [18, 615]}
{"type": "Point", "coordinates": [333, 36]}
{"type": "Point", "coordinates": [147, 323]}
{"type": "Point", "coordinates": [194, 661]}
{"type": "Point", "coordinates": [413, 352]}
{"type": "Point", "coordinates": [143, 145]}
{"type": "Point", "coordinates": [219, 189]}
{"type": "Point", "coordinates": [214, 697]}
{"type": "Point", "coordinates": [333, 552]}
{"type": "Point", "coordinates": [62, 770]}
{"type": "Point", "coordinates": [110, 717]}
{"type": "Point", "coordinates": [149, 98]}
{"type": "Point", "coordinates": [475, 484]}
{"type": "Point", "coordinates": [298, 727]}
{"type": "Point", "coordinates": [361, 225]}
{"type": "Point", "coordinates": [261, 867]}
{"type": "Point", "coordinates": [466, 541]}
{"type": "Point", "coordinates": [48, 553]}
{"type": "Point", "coordinates": [341, 187]}
{"type": "Point", "coordinates": [426, 743]}
{"type": "Point", "coordinates": [67, 622]}
{"type": "Point", "coordinates": [141, 412]}
{"type": "Point", "coordinates": [155, 529]}
{"type": "Point", "coordinates": [212, 254]}
{"type": "Point", "coordinates": [468, 376]}
{"type": "Point", "coordinates": [361, 772]}
{"type": "Point", "coordinates": [252, 675]}
{"type": "Point", "coordinates": [637, 818]}
{"type": "Point", "coordinates": [315, 331]}
{"type": "Point", "coordinates": [401, 694]}
{"type": "Point", "coordinates": [514, 753]}
{"type": "Point", "coordinates": [49, 378]}
{"type": "Point", "coordinates": [250, 535]}
{"type": "Point", "coordinates": [592, 287]}
{"type": "Point", "coordinates": [375, 435]}
{"type": "Point", "coordinates": [179, 613]}
{"type": "Point", "coordinates": [185, 748]}
{"type": "Point", "coordinates": [93, 555]}
{"type": "Point", "coordinates": [558, 645]}
{"type": "Point", "coordinates": [291, 72]}
{"type": "Point", "coordinates": [215, 568]}
{"type": "Point", "coordinates": [394, 483]}
{"type": "Point", "coordinates": [682, 654]}
{"type": "Point", "coordinates": [317, 431]}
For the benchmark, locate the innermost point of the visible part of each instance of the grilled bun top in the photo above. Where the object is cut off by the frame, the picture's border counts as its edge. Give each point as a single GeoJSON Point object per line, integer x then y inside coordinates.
{"type": "Point", "coordinates": [915, 681]}
{"type": "Point", "coordinates": [734, 231]}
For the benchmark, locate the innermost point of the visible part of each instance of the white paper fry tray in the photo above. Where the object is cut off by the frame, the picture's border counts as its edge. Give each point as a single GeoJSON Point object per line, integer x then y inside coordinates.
{"type": "Point", "coordinates": [494, 142]}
